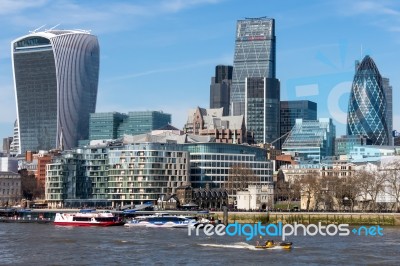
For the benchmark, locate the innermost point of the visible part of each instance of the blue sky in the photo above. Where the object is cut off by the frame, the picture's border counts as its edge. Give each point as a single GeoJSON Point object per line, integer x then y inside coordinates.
{"type": "Point", "coordinates": [161, 55]}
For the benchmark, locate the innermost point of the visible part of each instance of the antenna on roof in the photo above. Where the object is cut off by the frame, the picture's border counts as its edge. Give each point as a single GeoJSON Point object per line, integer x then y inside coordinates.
{"type": "Point", "coordinates": [34, 31]}
{"type": "Point", "coordinates": [54, 26]}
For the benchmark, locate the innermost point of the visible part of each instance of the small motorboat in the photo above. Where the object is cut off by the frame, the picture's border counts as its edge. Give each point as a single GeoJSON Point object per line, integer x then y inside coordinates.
{"type": "Point", "coordinates": [271, 244]}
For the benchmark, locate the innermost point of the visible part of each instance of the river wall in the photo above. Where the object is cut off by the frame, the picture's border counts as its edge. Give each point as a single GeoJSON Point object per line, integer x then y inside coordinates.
{"type": "Point", "coordinates": [313, 218]}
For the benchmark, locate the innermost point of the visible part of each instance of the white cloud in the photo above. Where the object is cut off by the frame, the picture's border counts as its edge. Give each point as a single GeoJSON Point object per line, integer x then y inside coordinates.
{"type": "Point", "coordinates": [105, 16]}
{"type": "Point", "coordinates": [15, 6]}
{"type": "Point", "coordinates": [224, 59]}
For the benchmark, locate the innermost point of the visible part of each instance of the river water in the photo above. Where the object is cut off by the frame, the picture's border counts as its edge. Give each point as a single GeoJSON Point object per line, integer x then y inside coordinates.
{"type": "Point", "coordinates": [47, 244]}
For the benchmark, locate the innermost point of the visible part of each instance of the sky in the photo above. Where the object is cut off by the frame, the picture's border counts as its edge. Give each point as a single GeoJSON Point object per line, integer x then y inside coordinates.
{"type": "Point", "coordinates": [161, 54]}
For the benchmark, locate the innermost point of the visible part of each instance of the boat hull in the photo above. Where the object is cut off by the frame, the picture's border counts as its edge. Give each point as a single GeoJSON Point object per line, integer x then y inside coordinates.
{"type": "Point", "coordinates": [102, 224]}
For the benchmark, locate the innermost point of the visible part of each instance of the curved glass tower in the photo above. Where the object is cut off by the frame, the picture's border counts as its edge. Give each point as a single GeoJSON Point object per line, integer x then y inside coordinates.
{"type": "Point", "coordinates": [367, 105]}
{"type": "Point", "coordinates": [55, 80]}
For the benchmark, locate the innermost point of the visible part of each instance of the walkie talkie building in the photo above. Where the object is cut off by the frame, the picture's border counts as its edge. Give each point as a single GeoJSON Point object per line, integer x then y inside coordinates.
{"type": "Point", "coordinates": [367, 105]}
{"type": "Point", "coordinates": [55, 80]}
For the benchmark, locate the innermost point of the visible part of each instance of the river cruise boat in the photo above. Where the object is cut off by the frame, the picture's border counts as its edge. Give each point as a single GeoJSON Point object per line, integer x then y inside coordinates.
{"type": "Point", "coordinates": [86, 218]}
{"type": "Point", "coordinates": [162, 220]}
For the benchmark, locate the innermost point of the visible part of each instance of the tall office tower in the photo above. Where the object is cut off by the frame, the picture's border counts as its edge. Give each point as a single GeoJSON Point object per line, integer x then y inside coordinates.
{"type": "Point", "coordinates": [220, 88]}
{"type": "Point", "coordinates": [254, 57]}
{"type": "Point", "coordinates": [55, 79]}
{"type": "Point", "coordinates": [292, 110]}
{"type": "Point", "coordinates": [262, 112]}
{"type": "Point", "coordinates": [388, 90]}
{"type": "Point", "coordinates": [367, 105]}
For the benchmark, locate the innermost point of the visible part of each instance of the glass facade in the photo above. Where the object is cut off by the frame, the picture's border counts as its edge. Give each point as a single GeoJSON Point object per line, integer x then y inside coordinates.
{"type": "Point", "coordinates": [292, 110]}
{"type": "Point", "coordinates": [66, 179]}
{"type": "Point", "coordinates": [367, 113]}
{"type": "Point", "coordinates": [262, 98]}
{"type": "Point", "coordinates": [136, 123]}
{"type": "Point", "coordinates": [121, 174]}
{"type": "Point", "coordinates": [105, 125]}
{"type": "Point", "coordinates": [254, 57]}
{"type": "Point", "coordinates": [345, 144]}
{"type": "Point", "coordinates": [115, 125]}
{"type": "Point", "coordinates": [311, 140]}
{"type": "Point", "coordinates": [55, 77]}
{"type": "Point", "coordinates": [388, 90]}
{"type": "Point", "coordinates": [143, 172]}
{"type": "Point", "coordinates": [210, 163]}
{"type": "Point", "coordinates": [220, 88]}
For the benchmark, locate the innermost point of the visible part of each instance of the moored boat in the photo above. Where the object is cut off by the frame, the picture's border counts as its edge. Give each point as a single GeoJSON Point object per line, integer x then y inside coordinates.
{"type": "Point", "coordinates": [161, 220]}
{"type": "Point", "coordinates": [87, 219]}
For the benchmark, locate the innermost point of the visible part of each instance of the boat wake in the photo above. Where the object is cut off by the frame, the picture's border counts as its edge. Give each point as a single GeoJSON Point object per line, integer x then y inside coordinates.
{"type": "Point", "coordinates": [239, 245]}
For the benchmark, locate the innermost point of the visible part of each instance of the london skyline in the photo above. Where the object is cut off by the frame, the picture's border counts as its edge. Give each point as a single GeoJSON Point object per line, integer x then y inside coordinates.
{"type": "Point", "coordinates": [174, 56]}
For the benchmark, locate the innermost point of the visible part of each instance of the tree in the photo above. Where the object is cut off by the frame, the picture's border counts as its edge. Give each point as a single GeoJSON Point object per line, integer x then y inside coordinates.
{"type": "Point", "coordinates": [371, 183]}
{"type": "Point", "coordinates": [392, 175]}
{"type": "Point", "coordinates": [240, 177]}
{"type": "Point", "coordinates": [30, 187]}
{"type": "Point", "coordinates": [310, 186]}
{"type": "Point", "coordinates": [345, 189]}
{"type": "Point", "coordinates": [294, 190]}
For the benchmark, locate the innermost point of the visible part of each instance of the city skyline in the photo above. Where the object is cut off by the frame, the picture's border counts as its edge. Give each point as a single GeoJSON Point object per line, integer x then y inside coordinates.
{"type": "Point", "coordinates": [175, 55]}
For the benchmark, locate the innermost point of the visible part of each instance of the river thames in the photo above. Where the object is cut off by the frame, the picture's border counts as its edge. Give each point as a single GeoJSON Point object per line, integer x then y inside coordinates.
{"type": "Point", "coordinates": [47, 244]}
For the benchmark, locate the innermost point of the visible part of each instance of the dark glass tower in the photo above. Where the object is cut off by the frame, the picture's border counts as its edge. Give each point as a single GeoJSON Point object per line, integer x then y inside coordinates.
{"type": "Point", "coordinates": [220, 88]}
{"type": "Point", "coordinates": [254, 56]}
{"type": "Point", "coordinates": [262, 99]}
{"type": "Point", "coordinates": [55, 77]}
{"type": "Point", "coordinates": [387, 88]}
{"type": "Point", "coordinates": [367, 112]}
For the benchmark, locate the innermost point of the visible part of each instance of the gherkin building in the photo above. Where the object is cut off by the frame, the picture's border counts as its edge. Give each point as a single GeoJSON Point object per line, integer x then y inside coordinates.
{"type": "Point", "coordinates": [367, 105]}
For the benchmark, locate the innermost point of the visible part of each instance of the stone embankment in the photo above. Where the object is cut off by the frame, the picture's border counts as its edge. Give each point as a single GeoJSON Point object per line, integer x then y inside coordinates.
{"type": "Point", "coordinates": [313, 218]}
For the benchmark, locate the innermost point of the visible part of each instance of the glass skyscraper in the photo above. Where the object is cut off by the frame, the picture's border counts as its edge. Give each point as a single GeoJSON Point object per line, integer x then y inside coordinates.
{"type": "Point", "coordinates": [220, 88]}
{"type": "Point", "coordinates": [55, 79]}
{"type": "Point", "coordinates": [388, 90]}
{"type": "Point", "coordinates": [254, 57]}
{"type": "Point", "coordinates": [367, 113]}
{"type": "Point", "coordinates": [262, 99]}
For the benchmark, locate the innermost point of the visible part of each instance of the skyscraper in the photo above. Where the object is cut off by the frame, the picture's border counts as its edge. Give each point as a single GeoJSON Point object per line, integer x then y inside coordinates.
{"type": "Point", "coordinates": [55, 79]}
{"type": "Point", "coordinates": [262, 99]}
{"type": "Point", "coordinates": [254, 56]}
{"type": "Point", "coordinates": [387, 89]}
{"type": "Point", "coordinates": [367, 114]}
{"type": "Point", "coordinates": [220, 88]}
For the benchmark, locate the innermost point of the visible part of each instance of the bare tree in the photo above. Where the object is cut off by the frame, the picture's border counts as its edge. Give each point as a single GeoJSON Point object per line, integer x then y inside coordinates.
{"type": "Point", "coordinates": [392, 175]}
{"type": "Point", "coordinates": [30, 187]}
{"type": "Point", "coordinates": [240, 177]}
{"type": "Point", "coordinates": [310, 185]}
{"type": "Point", "coordinates": [371, 183]}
